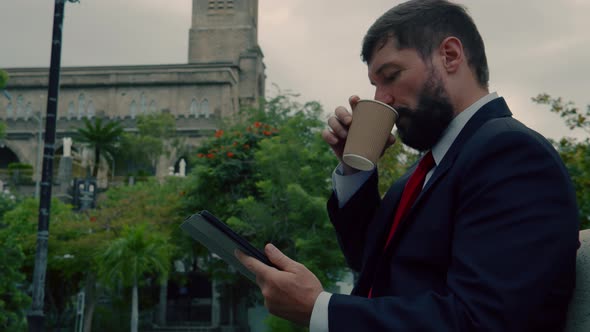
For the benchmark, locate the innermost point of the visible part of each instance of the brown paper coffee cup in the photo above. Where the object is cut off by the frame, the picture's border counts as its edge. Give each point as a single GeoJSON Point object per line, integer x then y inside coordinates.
{"type": "Point", "coordinates": [372, 122]}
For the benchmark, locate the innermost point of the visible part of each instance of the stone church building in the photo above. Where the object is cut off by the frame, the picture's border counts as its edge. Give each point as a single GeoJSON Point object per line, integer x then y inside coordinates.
{"type": "Point", "coordinates": [224, 71]}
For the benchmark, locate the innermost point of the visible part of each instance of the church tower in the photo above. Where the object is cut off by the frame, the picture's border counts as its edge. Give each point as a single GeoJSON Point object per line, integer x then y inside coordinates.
{"type": "Point", "coordinates": [225, 33]}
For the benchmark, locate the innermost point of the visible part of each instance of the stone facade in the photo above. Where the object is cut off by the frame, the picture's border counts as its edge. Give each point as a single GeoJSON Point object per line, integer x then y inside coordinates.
{"type": "Point", "coordinates": [224, 72]}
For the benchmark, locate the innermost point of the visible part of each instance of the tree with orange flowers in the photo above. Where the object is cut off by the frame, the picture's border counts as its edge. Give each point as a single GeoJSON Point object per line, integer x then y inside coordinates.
{"type": "Point", "coordinates": [268, 175]}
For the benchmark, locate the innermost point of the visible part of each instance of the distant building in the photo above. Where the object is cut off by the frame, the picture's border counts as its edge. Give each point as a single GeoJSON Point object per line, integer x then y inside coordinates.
{"type": "Point", "coordinates": [225, 70]}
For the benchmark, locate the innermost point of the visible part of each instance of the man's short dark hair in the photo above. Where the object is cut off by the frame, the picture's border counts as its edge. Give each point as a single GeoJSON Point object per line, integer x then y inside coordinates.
{"type": "Point", "coordinates": [423, 25]}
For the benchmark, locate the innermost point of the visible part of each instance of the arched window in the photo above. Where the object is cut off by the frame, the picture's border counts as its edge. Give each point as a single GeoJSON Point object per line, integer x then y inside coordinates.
{"type": "Point", "coordinates": [194, 108]}
{"type": "Point", "coordinates": [9, 111]}
{"type": "Point", "coordinates": [143, 103]}
{"type": "Point", "coordinates": [20, 107]}
{"type": "Point", "coordinates": [91, 110]}
{"type": "Point", "coordinates": [133, 109]}
{"type": "Point", "coordinates": [205, 108]}
{"type": "Point", "coordinates": [71, 111]}
{"type": "Point", "coordinates": [28, 111]}
{"type": "Point", "coordinates": [81, 106]}
{"type": "Point", "coordinates": [153, 107]}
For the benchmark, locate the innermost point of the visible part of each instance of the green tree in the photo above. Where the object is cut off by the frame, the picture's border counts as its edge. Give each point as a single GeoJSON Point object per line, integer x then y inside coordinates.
{"type": "Point", "coordinates": [574, 153]}
{"type": "Point", "coordinates": [268, 174]}
{"type": "Point", "coordinates": [102, 137]}
{"type": "Point", "coordinates": [139, 251]}
{"type": "Point", "coordinates": [155, 137]}
{"type": "Point", "coordinates": [68, 252]}
{"type": "Point", "coordinates": [3, 78]}
{"type": "Point", "coordinates": [156, 203]}
{"type": "Point", "coordinates": [572, 116]}
{"type": "Point", "coordinates": [13, 299]}
{"type": "Point", "coordinates": [394, 163]}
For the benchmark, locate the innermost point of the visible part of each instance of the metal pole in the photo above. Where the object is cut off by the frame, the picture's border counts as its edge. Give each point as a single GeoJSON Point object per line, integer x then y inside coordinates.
{"type": "Point", "coordinates": [38, 161]}
{"type": "Point", "coordinates": [35, 316]}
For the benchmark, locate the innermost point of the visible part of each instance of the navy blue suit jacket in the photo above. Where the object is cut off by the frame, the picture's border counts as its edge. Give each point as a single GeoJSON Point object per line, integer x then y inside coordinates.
{"type": "Point", "coordinates": [489, 245]}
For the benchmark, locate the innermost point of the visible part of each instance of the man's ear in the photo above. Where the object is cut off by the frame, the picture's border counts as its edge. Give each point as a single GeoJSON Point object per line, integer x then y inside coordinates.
{"type": "Point", "coordinates": [451, 52]}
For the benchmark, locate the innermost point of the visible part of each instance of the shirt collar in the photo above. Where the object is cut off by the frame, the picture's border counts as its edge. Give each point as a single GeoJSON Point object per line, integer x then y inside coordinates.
{"type": "Point", "coordinates": [450, 134]}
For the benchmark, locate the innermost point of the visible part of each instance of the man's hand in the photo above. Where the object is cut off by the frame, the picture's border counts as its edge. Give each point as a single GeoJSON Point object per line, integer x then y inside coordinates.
{"type": "Point", "coordinates": [337, 132]}
{"type": "Point", "coordinates": [290, 292]}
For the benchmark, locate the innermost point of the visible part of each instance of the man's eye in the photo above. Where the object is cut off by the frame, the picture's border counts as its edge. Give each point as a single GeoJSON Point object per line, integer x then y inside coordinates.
{"type": "Point", "coordinates": [393, 76]}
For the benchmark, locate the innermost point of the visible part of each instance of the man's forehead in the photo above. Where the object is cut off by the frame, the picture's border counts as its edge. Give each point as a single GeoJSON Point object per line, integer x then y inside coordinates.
{"type": "Point", "coordinates": [384, 53]}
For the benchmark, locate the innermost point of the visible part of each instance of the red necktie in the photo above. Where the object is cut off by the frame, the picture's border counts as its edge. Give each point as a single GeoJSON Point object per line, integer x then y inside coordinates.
{"type": "Point", "coordinates": [411, 192]}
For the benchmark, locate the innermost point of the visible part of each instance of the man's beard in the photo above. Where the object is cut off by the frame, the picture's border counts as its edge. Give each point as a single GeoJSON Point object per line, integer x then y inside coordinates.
{"type": "Point", "coordinates": [422, 127]}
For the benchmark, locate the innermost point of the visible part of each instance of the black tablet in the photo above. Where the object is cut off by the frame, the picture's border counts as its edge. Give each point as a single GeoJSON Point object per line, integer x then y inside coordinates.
{"type": "Point", "coordinates": [222, 240]}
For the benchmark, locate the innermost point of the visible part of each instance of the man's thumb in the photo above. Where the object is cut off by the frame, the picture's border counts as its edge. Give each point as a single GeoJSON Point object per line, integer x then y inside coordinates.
{"type": "Point", "coordinates": [278, 258]}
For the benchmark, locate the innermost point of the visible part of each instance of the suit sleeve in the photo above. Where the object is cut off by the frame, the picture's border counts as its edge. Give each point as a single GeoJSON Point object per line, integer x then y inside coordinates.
{"type": "Point", "coordinates": [351, 221]}
{"type": "Point", "coordinates": [513, 248]}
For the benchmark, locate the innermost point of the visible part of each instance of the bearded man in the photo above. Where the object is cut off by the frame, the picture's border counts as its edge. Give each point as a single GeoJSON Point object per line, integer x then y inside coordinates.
{"type": "Point", "coordinates": [480, 235]}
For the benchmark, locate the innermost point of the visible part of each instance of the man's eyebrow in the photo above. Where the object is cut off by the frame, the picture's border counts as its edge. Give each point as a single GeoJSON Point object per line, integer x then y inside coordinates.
{"type": "Point", "coordinates": [384, 66]}
{"type": "Point", "coordinates": [381, 68]}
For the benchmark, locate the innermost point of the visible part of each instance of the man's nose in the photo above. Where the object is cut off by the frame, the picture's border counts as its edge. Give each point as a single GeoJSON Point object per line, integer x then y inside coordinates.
{"type": "Point", "coordinates": [384, 96]}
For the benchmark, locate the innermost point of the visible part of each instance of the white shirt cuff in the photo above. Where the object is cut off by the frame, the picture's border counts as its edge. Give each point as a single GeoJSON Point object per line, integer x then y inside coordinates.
{"type": "Point", "coordinates": [345, 186]}
{"type": "Point", "coordinates": [319, 315]}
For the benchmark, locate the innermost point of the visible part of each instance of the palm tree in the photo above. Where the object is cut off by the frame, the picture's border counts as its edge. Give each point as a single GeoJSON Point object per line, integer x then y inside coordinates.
{"type": "Point", "coordinates": [103, 138]}
{"type": "Point", "coordinates": [127, 259]}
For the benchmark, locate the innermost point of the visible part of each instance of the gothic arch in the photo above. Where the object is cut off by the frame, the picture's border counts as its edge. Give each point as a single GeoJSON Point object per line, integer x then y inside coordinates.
{"type": "Point", "coordinates": [81, 106]}
{"type": "Point", "coordinates": [71, 111]}
{"type": "Point", "coordinates": [205, 108]}
{"type": "Point", "coordinates": [90, 110]}
{"type": "Point", "coordinates": [194, 108]}
{"type": "Point", "coordinates": [133, 109]}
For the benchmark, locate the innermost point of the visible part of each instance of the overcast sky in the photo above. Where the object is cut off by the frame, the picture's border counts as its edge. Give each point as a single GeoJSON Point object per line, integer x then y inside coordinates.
{"type": "Point", "coordinates": [312, 47]}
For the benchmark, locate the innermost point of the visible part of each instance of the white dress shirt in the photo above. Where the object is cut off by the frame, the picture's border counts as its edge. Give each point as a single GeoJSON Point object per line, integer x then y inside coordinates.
{"type": "Point", "coordinates": [346, 186]}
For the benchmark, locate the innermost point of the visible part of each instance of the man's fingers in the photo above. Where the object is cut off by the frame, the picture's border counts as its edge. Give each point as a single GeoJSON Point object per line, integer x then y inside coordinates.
{"type": "Point", "coordinates": [251, 263]}
{"type": "Point", "coordinates": [353, 100]}
{"type": "Point", "coordinates": [343, 116]}
{"type": "Point", "coordinates": [329, 137]}
{"type": "Point", "coordinates": [337, 127]}
{"type": "Point", "coordinates": [279, 259]}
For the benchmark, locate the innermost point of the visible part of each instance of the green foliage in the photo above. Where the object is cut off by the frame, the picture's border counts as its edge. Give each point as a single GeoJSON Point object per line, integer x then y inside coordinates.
{"type": "Point", "coordinates": [3, 79]}
{"type": "Point", "coordinates": [573, 117]}
{"type": "Point", "coordinates": [65, 258]}
{"type": "Point", "coordinates": [149, 202]}
{"type": "Point", "coordinates": [138, 251]}
{"type": "Point", "coordinates": [102, 137]}
{"type": "Point", "coordinates": [19, 166]}
{"type": "Point", "coordinates": [128, 259]}
{"type": "Point", "coordinates": [575, 154]}
{"type": "Point", "coordinates": [76, 238]}
{"type": "Point", "coordinates": [268, 175]}
{"type": "Point", "coordinates": [155, 137]}
{"type": "Point", "coordinates": [13, 299]}
{"type": "Point", "coordinates": [20, 173]}
{"type": "Point", "coordinates": [394, 163]}
{"type": "Point", "coordinates": [7, 202]}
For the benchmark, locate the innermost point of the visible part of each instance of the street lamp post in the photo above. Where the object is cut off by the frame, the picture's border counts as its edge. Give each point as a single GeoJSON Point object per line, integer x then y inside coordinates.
{"type": "Point", "coordinates": [35, 315]}
{"type": "Point", "coordinates": [39, 157]}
